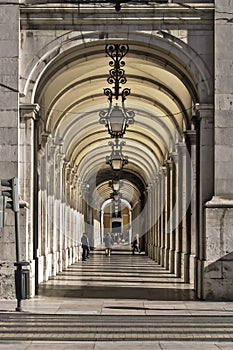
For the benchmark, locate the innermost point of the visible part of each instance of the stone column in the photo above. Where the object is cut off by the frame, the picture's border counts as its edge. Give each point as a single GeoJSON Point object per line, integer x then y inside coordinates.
{"type": "Point", "coordinates": [77, 230]}
{"type": "Point", "coordinates": [164, 221]}
{"type": "Point", "coordinates": [148, 222]}
{"type": "Point", "coordinates": [40, 155]}
{"type": "Point", "coordinates": [177, 208]}
{"type": "Point", "coordinates": [151, 223]}
{"type": "Point", "coordinates": [66, 185]}
{"type": "Point", "coordinates": [48, 170]}
{"type": "Point", "coordinates": [76, 224]}
{"type": "Point", "coordinates": [161, 214]}
{"type": "Point", "coordinates": [72, 216]}
{"type": "Point", "coordinates": [158, 218]}
{"type": "Point", "coordinates": [151, 216]}
{"type": "Point", "coordinates": [205, 184]}
{"type": "Point", "coordinates": [136, 225]}
{"type": "Point", "coordinates": [168, 210]}
{"type": "Point", "coordinates": [43, 234]}
{"type": "Point", "coordinates": [52, 258]}
{"type": "Point", "coordinates": [191, 139]}
{"type": "Point", "coordinates": [154, 217]}
{"type": "Point", "coordinates": [184, 198]}
{"type": "Point", "coordinates": [173, 213]}
{"type": "Point", "coordinates": [27, 182]}
{"type": "Point", "coordinates": [79, 227]}
{"type": "Point", "coordinates": [59, 205]}
{"type": "Point", "coordinates": [90, 222]}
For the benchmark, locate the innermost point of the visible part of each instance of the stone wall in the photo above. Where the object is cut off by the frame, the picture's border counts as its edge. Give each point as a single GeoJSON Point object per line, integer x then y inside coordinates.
{"type": "Point", "coordinates": [223, 99]}
{"type": "Point", "coordinates": [9, 48]}
{"type": "Point", "coordinates": [218, 241]}
{"type": "Point", "coordinates": [218, 269]}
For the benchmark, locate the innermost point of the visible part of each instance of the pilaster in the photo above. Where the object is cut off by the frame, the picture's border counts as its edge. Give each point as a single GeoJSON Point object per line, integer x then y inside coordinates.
{"type": "Point", "coordinates": [184, 198]}
{"type": "Point", "coordinates": [177, 208]}
{"type": "Point", "coordinates": [173, 213]}
{"type": "Point", "coordinates": [168, 210]}
{"type": "Point", "coordinates": [164, 216]}
{"type": "Point", "coordinates": [205, 177]}
{"type": "Point", "coordinates": [223, 132]}
{"type": "Point", "coordinates": [28, 115]}
{"type": "Point", "coordinates": [156, 217]}
{"type": "Point", "coordinates": [149, 214]}
{"type": "Point", "coordinates": [192, 229]}
{"type": "Point", "coordinates": [154, 210]}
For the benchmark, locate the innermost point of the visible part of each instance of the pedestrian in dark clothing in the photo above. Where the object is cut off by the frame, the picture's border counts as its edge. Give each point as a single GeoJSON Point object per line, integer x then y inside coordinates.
{"type": "Point", "coordinates": [85, 246]}
{"type": "Point", "coordinates": [135, 244]}
{"type": "Point", "coordinates": [108, 243]}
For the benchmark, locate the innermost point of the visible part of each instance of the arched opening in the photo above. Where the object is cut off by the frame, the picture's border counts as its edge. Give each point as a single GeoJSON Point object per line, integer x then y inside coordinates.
{"type": "Point", "coordinates": [73, 178]}
{"type": "Point", "coordinates": [118, 224]}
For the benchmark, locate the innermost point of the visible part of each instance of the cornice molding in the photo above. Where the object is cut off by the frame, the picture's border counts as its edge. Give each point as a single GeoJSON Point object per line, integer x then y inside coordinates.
{"type": "Point", "coordinates": [66, 14]}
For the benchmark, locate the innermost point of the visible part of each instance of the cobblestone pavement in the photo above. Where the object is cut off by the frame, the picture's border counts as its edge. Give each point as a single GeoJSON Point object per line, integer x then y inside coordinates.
{"type": "Point", "coordinates": [167, 318]}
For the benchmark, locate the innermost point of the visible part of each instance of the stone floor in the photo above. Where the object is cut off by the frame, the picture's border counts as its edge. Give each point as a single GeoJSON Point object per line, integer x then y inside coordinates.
{"type": "Point", "coordinates": [116, 302]}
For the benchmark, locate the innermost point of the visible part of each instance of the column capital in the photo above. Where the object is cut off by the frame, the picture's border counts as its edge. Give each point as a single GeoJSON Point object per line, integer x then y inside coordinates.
{"type": "Point", "coordinates": [191, 135]}
{"type": "Point", "coordinates": [45, 137]}
{"type": "Point", "coordinates": [204, 107]}
{"type": "Point", "coordinates": [181, 146]}
{"type": "Point", "coordinates": [153, 183]}
{"type": "Point", "coordinates": [149, 187]}
{"type": "Point", "coordinates": [28, 111]}
{"type": "Point", "coordinates": [168, 164]}
{"type": "Point", "coordinates": [204, 110]}
{"type": "Point", "coordinates": [174, 156]}
{"type": "Point", "coordinates": [165, 169]}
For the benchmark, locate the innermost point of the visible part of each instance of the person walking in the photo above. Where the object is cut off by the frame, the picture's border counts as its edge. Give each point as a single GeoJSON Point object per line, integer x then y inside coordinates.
{"type": "Point", "coordinates": [108, 244]}
{"type": "Point", "coordinates": [85, 246]}
{"type": "Point", "coordinates": [135, 244]}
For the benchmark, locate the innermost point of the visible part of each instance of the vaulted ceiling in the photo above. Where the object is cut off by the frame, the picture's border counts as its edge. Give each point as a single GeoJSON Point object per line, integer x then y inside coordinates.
{"type": "Point", "coordinates": [72, 96]}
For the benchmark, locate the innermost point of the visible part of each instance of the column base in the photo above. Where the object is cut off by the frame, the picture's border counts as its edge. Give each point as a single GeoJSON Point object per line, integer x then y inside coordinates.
{"type": "Point", "coordinates": [154, 252]}
{"type": "Point", "coordinates": [55, 260]}
{"type": "Point", "coordinates": [65, 258]}
{"type": "Point", "coordinates": [32, 278]}
{"type": "Point", "coordinates": [158, 255]}
{"type": "Point", "coordinates": [172, 261]}
{"type": "Point", "coordinates": [59, 261]}
{"type": "Point", "coordinates": [185, 263]}
{"type": "Point", "coordinates": [192, 268]}
{"type": "Point", "coordinates": [162, 256]}
{"type": "Point", "coordinates": [199, 287]}
{"type": "Point", "coordinates": [167, 258]}
{"type": "Point", "coordinates": [48, 268]}
{"type": "Point", "coordinates": [178, 263]}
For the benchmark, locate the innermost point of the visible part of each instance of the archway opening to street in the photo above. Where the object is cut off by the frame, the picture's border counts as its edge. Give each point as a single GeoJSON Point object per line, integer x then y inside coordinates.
{"type": "Point", "coordinates": [158, 194]}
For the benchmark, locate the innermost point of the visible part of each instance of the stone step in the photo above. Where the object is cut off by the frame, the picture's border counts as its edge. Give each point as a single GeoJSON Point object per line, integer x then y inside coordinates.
{"type": "Point", "coordinates": [67, 327]}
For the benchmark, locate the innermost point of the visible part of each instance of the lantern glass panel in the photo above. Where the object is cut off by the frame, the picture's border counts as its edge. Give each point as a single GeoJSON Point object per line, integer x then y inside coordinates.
{"type": "Point", "coordinates": [116, 186]}
{"type": "Point", "coordinates": [117, 164]}
{"type": "Point", "coordinates": [116, 120]}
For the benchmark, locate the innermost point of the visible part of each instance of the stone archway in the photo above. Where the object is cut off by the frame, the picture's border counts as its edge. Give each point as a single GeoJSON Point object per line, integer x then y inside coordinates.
{"type": "Point", "coordinates": [167, 79]}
